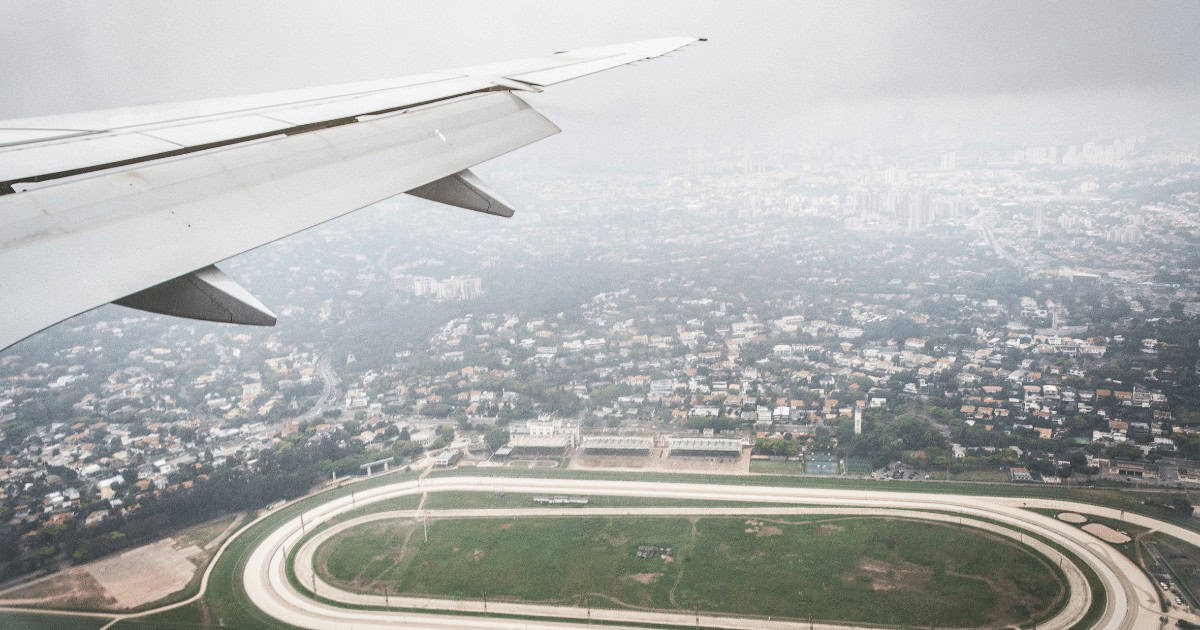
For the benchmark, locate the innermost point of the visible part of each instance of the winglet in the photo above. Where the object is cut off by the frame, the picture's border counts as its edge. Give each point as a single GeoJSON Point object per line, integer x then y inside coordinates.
{"type": "Point", "coordinates": [207, 294]}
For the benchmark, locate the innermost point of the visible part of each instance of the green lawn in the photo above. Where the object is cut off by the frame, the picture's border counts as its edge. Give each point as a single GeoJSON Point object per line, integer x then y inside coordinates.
{"type": "Point", "coordinates": [23, 621]}
{"type": "Point", "coordinates": [777, 468]}
{"type": "Point", "coordinates": [1183, 559]}
{"type": "Point", "coordinates": [855, 569]}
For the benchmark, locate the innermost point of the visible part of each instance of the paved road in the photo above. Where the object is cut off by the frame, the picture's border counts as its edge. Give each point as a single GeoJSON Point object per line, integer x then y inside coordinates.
{"type": "Point", "coordinates": [329, 391]}
{"type": "Point", "coordinates": [1131, 603]}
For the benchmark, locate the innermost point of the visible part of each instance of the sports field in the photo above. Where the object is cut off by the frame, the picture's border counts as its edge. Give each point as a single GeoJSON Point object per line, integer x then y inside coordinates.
{"type": "Point", "coordinates": [855, 569]}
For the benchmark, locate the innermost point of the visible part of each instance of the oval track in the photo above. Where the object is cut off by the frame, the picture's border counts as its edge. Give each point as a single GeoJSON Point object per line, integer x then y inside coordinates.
{"type": "Point", "coordinates": [1075, 609]}
{"type": "Point", "coordinates": [1131, 602]}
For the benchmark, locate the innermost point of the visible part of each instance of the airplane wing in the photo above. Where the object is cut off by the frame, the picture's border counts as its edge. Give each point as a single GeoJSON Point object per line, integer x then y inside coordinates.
{"type": "Point", "coordinates": [134, 206]}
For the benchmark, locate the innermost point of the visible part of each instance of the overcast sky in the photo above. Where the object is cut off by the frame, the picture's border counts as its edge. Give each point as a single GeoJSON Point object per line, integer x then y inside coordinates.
{"type": "Point", "coordinates": [910, 70]}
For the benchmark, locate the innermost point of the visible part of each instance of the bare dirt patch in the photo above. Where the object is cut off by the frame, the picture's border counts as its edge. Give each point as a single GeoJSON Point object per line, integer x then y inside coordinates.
{"type": "Point", "coordinates": [829, 530]}
{"type": "Point", "coordinates": [153, 571]}
{"type": "Point", "coordinates": [886, 576]}
{"type": "Point", "coordinates": [506, 526]}
{"type": "Point", "coordinates": [145, 573]}
{"type": "Point", "coordinates": [1106, 533]}
{"type": "Point", "coordinates": [758, 528]}
{"type": "Point", "coordinates": [1072, 517]}
{"type": "Point", "coordinates": [477, 555]}
{"type": "Point", "coordinates": [644, 578]}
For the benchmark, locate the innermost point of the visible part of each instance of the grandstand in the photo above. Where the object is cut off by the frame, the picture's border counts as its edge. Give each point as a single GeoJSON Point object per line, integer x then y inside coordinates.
{"type": "Point", "coordinates": [539, 446]}
{"type": "Point", "coordinates": [617, 445]}
{"type": "Point", "coordinates": [706, 446]}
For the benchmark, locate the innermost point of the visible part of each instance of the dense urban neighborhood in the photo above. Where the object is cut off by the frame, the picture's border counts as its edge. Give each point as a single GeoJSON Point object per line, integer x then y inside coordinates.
{"type": "Point", "coordinates": [1010, 314]}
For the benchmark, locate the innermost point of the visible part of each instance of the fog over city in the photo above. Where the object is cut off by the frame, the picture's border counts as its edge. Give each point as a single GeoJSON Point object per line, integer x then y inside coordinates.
{"type": "Point", "coordinates": [757, 285]}
{"type": "Point", "coordinates": [782, 72]}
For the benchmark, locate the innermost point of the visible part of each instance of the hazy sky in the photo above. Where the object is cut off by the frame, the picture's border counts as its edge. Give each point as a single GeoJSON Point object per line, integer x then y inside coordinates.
{"type": "Point", "coordinates": [909, 70]}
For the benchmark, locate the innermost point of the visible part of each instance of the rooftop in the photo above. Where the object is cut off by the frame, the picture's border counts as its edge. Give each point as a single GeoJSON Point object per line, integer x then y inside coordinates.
{"type": "Point", "coordinates": [706, 444]}
{"type": "Point", "coordinates": [541, 441]}
{"type": "Point", "coordinates": [617, 443]}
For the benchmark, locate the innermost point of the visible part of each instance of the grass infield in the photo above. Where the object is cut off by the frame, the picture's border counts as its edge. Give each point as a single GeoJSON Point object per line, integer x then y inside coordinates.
{"type": "Point", "coordinates": [854, 569]}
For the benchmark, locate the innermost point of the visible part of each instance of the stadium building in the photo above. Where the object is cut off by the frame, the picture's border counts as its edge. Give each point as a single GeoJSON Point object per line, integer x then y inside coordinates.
{"type": "Point", "coordinates": [539, 445]}
{"type": "Point", "coordinates": [617, 445]}
{"type": "Point", "coordinates": [705, 446]}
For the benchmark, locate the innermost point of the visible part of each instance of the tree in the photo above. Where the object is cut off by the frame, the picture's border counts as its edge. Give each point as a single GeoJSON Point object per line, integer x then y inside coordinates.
{"type": "Point", "coordinates": [443, 440]}
{"type": "Point", "coordinates": [496, 438]}
{"type": "Point", "coordinates": [766, 446]}
{"type": "Point", "coordinates": [405, 449]}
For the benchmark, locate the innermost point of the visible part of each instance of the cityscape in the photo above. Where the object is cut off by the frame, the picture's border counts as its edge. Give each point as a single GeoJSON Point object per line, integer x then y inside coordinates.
{"type": "Point", "coordinates": [1008, 315]}
{"type": "Point", "coordinates": [860, 315]}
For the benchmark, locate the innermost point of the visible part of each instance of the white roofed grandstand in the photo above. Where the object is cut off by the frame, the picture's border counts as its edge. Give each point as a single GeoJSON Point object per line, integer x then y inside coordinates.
{"type": "Point", "coordinates": [617, 443]}
{"type": "Point", "coordinates": [540, 441]}
{"type": "Point", "coordinates": [705, 446]}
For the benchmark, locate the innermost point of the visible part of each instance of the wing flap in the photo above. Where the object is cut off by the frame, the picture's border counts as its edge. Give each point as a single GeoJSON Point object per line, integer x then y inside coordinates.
{"type": "Point", "coordinates": [207, 131]}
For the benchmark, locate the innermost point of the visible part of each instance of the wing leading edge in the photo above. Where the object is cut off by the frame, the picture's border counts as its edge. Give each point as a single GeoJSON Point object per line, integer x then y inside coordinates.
{"type": "Point", "coordinates": [134, 206]}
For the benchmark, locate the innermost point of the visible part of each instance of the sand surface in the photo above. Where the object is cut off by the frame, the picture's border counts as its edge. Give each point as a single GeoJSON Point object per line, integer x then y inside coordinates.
{"type": "Point", "coordinates": [1106, 533]}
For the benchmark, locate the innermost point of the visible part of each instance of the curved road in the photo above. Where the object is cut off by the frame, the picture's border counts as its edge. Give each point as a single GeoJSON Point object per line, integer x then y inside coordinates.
{"type": "Point", "coordinates": [329, 383]}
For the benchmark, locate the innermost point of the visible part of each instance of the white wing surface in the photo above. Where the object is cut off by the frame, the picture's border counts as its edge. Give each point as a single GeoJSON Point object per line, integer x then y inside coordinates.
{"type": "Point", "coordinates": [135, 205]}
